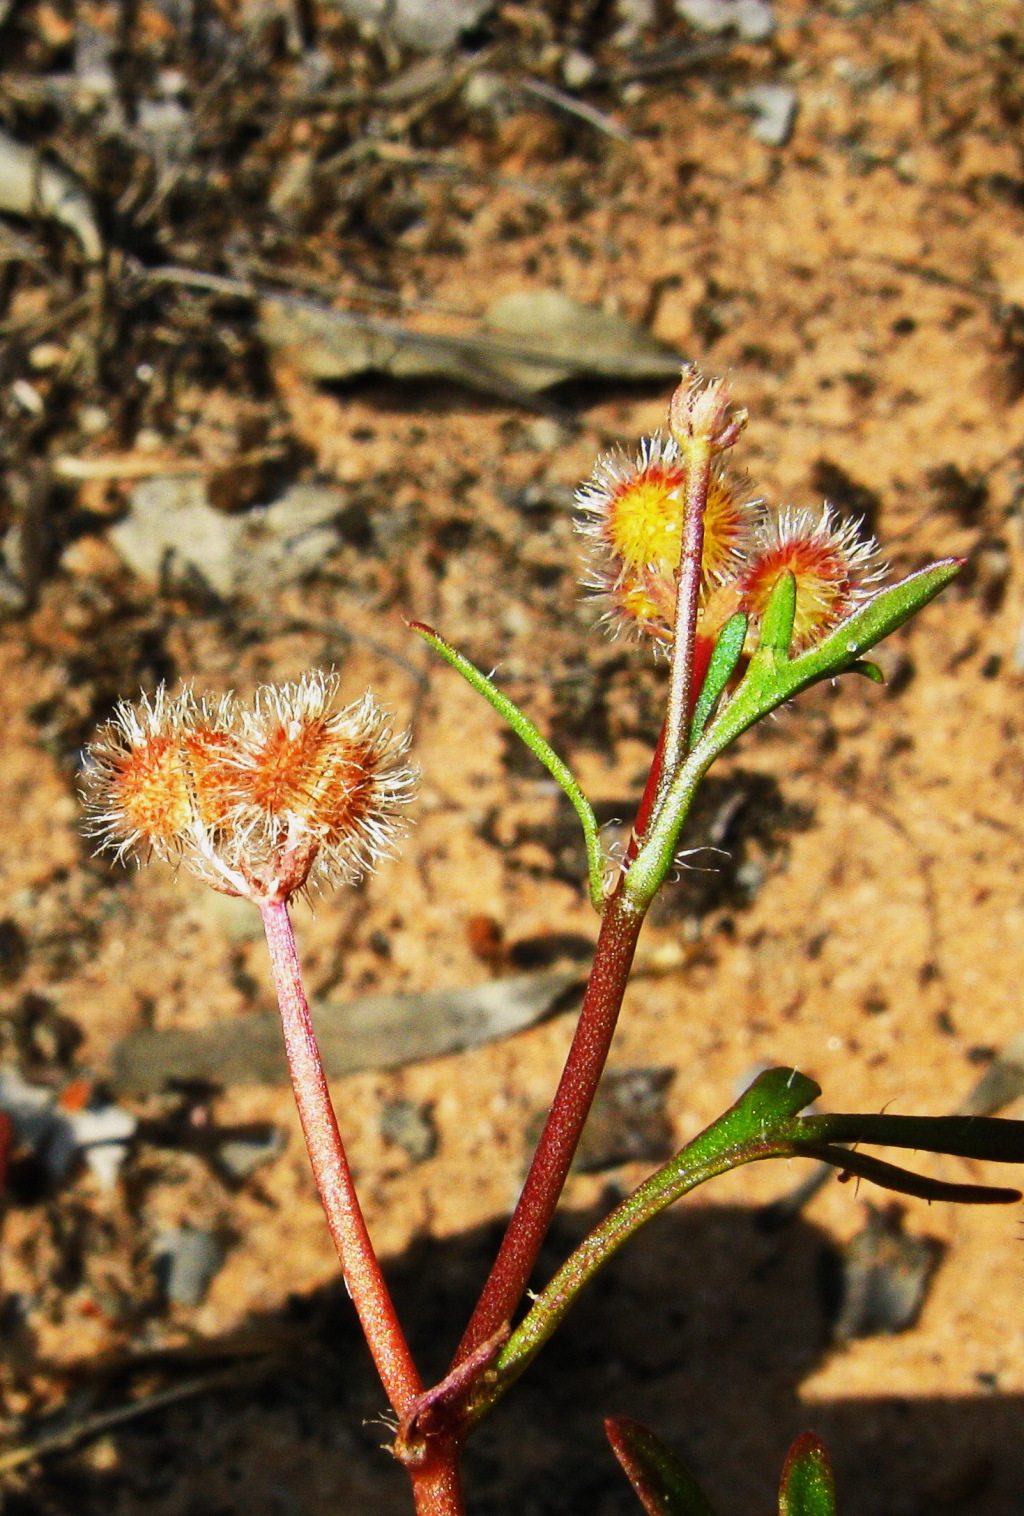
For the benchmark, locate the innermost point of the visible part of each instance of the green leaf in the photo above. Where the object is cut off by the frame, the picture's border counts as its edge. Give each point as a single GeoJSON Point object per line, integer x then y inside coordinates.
{"type": "Point", "coordinates": [539, 747]}
{"type": "Point", "coordinates": [889, 1176]}
{"type": "Point", "coordinates": [721, 668]}
{"type": "Point", "coordinates": [772, 679]}
{"type": "Point", "coordinates": [990, 1137]}
{"type": "Point", "coordinates": [807, 1487]}
{"type": "Point", "coordinates": [665, 1486]}
{"type": "Point", "coordinates": [777, 625]}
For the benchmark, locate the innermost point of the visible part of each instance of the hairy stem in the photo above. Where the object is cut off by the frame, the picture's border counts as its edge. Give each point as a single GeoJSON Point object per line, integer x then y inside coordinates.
{"type": "Point", "coordinates": [681, 693]}
{"type": "Point", "coordinates": [359, 1264]}
{"type": "Point", "coordinates": [616, 944]}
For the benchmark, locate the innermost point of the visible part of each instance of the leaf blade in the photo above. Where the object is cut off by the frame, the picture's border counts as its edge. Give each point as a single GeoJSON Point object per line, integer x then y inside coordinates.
{"type": "Point", "coordinates": [664, 1485]}
{"type": "Point", "coordinates": [807, 1487]}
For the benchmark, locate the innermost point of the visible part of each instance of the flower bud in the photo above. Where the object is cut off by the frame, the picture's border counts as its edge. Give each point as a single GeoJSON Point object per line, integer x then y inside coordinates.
{"type": "Point", "coordinates": [701, 411]}
{"type": "Point", "coordinates": [834, 568]}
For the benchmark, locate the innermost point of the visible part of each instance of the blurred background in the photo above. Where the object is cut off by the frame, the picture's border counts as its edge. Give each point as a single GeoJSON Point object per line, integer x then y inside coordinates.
{"type": "Point", "coordinates": [313, 313]}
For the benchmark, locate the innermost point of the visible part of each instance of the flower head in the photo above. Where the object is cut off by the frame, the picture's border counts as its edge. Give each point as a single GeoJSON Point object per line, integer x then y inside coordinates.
{"type": "Point", "coordinates": [632, 512]}
{"type": "Point", "coordinates": [256, 801]}
{"type": "Point", "coordinates": [835, 569]}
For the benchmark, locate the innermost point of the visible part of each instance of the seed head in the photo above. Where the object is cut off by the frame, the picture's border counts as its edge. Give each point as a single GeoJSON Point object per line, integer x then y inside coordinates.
{"type": "Point", "coordinates": [257, 801]}
{"type": "Point", "coordinates": [834, 567]}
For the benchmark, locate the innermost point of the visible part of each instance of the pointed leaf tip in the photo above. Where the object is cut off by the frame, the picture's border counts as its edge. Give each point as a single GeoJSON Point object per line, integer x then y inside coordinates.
{"type": "Point", "coordinates": [779, 616]}
{"type": "Point", "coordinates": [664, 1485]}
{"type": "Point", "coordinates": [807, 1487]}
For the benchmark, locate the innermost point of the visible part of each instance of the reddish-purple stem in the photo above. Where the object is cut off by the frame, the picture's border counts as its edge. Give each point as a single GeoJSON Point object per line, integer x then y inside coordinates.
{"type": "Point", "coordinates": [616, 944]}
{"type": "Point", "coordinates": [363, 1277]}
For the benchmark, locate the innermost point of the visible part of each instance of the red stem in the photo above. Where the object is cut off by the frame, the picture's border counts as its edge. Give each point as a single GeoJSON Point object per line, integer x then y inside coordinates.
{"type": "Point", "coordinates": [363, 1277]}
{"type": "Point", "coordinates": [616, 944]}
{"type": "Point", "coordinates": [681, 690]}
{"type": "Point", "coordinates": [436, 1485]}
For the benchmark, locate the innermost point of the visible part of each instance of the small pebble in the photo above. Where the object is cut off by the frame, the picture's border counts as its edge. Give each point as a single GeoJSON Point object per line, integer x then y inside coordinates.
{"type": "Point", "coordinates": [186, 1262]}
{"type": "Point", "coordinates": [774, 109]}
{"type": "Point", "coordinates": [411, 1127]}
{"type": "Point", "coordinates": [241, 1156]}
{"type": "Point", "coordinates": [752, 20]}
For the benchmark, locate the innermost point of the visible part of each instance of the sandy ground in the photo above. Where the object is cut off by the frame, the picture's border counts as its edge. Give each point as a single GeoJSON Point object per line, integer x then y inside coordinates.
{"type": "Point", "coordinates": [859, 286]}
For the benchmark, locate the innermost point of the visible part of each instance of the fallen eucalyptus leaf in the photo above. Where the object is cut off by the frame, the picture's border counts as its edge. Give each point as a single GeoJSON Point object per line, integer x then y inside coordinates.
{"type": "Point", "coordinates": [30, 186]}
{"type": "Point", "coordinates": [374, 1032]}
{"type": "Point", "coordinates": [537, 339]}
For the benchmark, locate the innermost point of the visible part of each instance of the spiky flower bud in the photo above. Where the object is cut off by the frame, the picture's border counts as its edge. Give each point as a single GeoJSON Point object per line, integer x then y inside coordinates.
{"type": "Point", "coordinates": [255, 801]}
{"type": "Point", "coordinates": [835, 569]}
{"type": "Point", "coordinates": [701, 411]}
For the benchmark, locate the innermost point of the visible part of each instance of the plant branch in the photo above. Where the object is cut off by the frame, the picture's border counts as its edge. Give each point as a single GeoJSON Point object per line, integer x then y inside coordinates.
{"type": "Point", "coordinates": [681, 693]}
{"type": "Point", "coordinates": [616, 944]}
{"type": "Point", "coordinates": [363, 1277]}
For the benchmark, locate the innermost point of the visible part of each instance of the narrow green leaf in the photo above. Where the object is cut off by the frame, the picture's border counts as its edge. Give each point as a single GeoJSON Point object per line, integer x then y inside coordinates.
{"type": "Point", "coordinates": [989, 1137]}
{"type": "Point", "coordinates": [539, 747]}
{"type": "Point", "coordinates": [807, 1488]}
{"type": "Point", "coordinates": [868, 669]}
{"type": "Point", "coordinates": [665, 1486]}
{"type": "Point", "coordinates": [720, 670]}
{"type": "Point", "coordinates": [884, 612]}
{"type": "Point", "coordinates": [777, 625]}
{"type": "Point", "coordinates": [888, 1176]}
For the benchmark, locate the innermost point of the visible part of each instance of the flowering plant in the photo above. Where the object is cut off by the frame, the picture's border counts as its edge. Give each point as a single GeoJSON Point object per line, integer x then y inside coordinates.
{"type": "Point", "coordinates": [750, 606]}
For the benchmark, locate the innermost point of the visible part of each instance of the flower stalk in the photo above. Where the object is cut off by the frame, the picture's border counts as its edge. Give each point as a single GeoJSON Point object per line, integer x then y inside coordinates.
{"type": "Point", "coordinates": [359, 1264]}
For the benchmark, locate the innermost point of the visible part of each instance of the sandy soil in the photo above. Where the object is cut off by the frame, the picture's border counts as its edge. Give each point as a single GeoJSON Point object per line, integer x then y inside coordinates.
{"type": "Point", "coordinates": [862, 286]}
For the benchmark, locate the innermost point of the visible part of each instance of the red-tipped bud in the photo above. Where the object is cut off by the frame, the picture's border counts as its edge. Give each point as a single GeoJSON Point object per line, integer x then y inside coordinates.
{"type": "Point", "coordinates": [701, 411]}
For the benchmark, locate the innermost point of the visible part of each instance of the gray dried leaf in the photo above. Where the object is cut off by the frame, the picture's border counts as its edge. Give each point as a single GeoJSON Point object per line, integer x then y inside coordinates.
{"type": "Point", "coordinates": [884, 1277]}
{"type": "Point", "coordinates": [172, 535]}
{"type": "Point", "coordinates": [375, 1032]}
{"type": "Point", "coordinates": [31, 186]}
{"type": "Point", "coordinates": [1001, 1084]}
{"type": "Point", "coordinates": [540, 338]}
